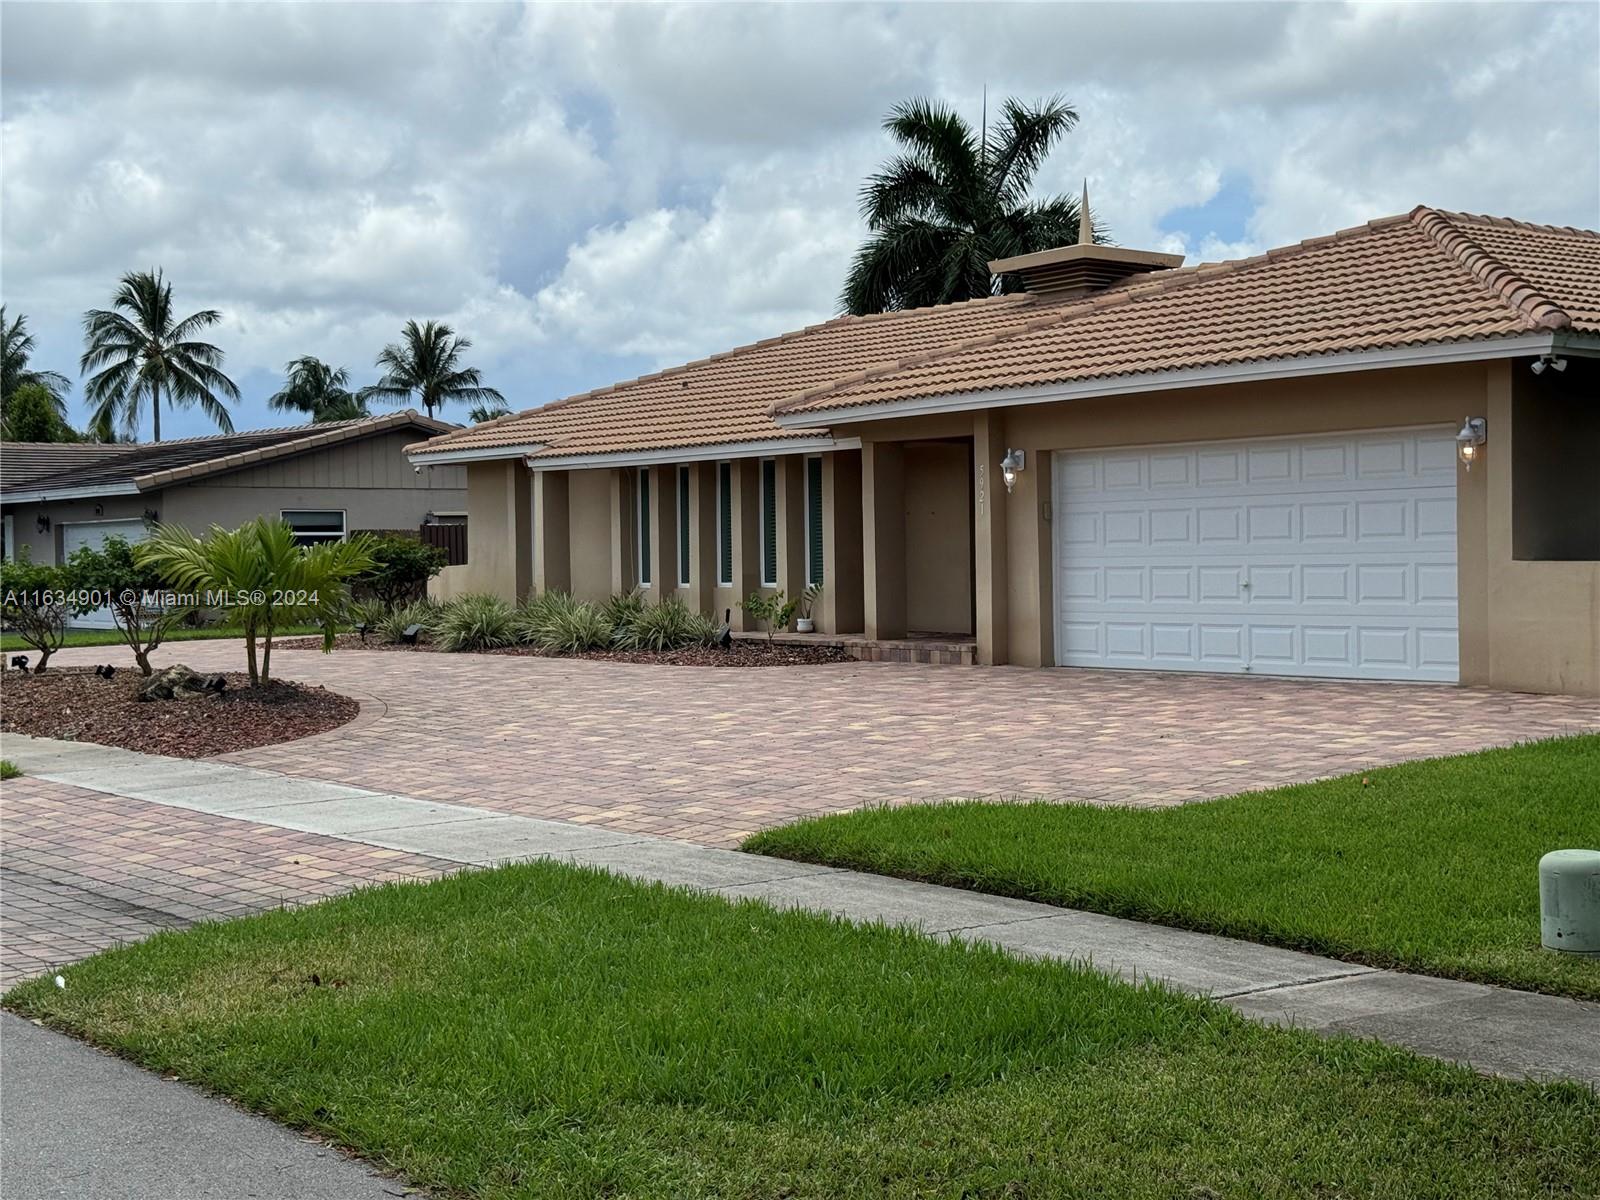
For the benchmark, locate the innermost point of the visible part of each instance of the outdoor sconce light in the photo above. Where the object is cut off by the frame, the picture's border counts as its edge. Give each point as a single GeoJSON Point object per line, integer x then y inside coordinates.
{"type": "Point", "coordinates": [151, 516]}
{"type": "Point", "coordinates": [1549, 360]}
{"type": "Point", "coordinates": [43, 523]}
{"type": "Point", "coordinates": [1014, 461]}
{"type": "Point", "coordinates": [1469, 442]}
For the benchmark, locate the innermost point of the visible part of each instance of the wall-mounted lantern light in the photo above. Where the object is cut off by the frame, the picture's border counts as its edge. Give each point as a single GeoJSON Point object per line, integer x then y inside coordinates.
{"type": "Point", "coordinates": [1469, 441]}
{"type": "Point", "coordinates": [43, 523]}
{"type": "Point", "coordinates": [151, 516]}
{"type": "Point", "coordinates": [1014, 461]}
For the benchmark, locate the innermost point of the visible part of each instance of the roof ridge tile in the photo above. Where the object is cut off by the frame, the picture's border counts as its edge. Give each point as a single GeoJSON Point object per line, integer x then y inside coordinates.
{"type": "Point", "coordinates": [1537, 309]}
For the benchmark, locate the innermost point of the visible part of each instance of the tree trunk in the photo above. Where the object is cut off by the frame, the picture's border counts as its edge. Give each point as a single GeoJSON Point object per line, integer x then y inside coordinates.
{"type": "Point", "coordinates": [266, 658]}
{"type": "Point", "coordinates": [44, 658]}
{"type": "Point", "coordinates": [250, 652]}
{"type": "Point", "coordinates": [155, 408]}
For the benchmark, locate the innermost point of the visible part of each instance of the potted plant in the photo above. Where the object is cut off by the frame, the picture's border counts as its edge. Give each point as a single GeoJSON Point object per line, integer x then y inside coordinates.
{"type": "Point", "coordinates": [803, 622]}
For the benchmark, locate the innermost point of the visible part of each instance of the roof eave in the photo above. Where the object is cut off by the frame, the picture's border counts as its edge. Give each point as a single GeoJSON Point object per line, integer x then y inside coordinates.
{"type": "Point", "coordinates": [472, 454]}
{"type": "Point", "coordinates": [1299, 366]}
{"type": "Point", "coordinates": [41, 496]}
{"type": "Point", "coordinates": [765, 448]}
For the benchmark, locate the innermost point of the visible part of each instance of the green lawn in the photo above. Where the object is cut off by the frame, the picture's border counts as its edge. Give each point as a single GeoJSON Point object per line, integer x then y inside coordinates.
{"type": "Point", "coordinates": [1430, 866]}
{"type": "Point", "coordinates": [543, 1031]}
{"type": "Point", "coordinates": [110, 637]}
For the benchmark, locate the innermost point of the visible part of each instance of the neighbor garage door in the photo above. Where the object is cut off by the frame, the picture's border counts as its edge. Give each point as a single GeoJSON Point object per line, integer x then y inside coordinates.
{"type": "Point", "coordinates": [1326, 556]}
{"type": "Point", "coordinates": [94, 533]}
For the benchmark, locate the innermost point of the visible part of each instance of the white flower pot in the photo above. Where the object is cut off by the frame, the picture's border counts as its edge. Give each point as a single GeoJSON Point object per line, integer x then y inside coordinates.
{"type": "Point", "coordinates": [805, 625]}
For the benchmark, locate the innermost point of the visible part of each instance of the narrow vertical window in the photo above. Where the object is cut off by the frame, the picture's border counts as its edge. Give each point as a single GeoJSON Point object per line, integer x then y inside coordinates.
{"type": "Point", "coordinates": [769, 522]}
{"type": "Point", "coordinates": [814, 520]}
{"type": "Point", "coordinates": [725, 524]}
{"type": "Point", "coordinates": [644, 527]}
{"type": "Point", "coordinates": [683, 527]}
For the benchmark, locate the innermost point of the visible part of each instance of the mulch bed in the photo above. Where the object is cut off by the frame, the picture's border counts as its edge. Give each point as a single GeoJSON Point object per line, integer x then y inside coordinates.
{"type": "Point", "coordinates": [75, 704]}
{"type": "Point", "coordinates": [743, 653]}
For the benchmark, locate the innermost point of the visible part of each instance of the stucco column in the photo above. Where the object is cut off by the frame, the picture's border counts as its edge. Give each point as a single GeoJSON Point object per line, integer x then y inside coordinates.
{"type": "Point", "coordinates": [840, 606]}
{"type": "Point", "coordinates": [791, 524]}
{"type": "Point", "coordinates": [703, 536]}
{"type": "Point", "coordinates": [552, 533]}
{"type": "Point", "coordinates": [989, 538]}
{"type": "Point", "coordinates": [663, 532]}
{"type": "Point", "coordinates": [1030, 563]}
{"type": "Point", "coordinates": [623, 572]}
{"type": "Point", "coordinates": [746, 536]}
{"type": "Point", "coordinates": [1473, 542]}
{"type": "Point", "coordinates": [883, 538]}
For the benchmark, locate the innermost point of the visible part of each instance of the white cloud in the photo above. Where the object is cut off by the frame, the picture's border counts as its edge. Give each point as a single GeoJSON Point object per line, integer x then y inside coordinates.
{"type": "Point", "coordinates": [588, 190]}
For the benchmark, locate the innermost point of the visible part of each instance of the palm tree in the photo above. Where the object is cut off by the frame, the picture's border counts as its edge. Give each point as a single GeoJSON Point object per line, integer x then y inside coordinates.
{"type": "Point", "coordinates": [488, 411]}
{"type": "Point", "coordinates": [425, 363]}
{"type": "Point", "coordinates": [146, 354]}
{"type": "Point", "coordinates": [15, 372]}
{"type": "Point", "coordinates": [276, 580]}
{"type": "Point", "coordinates": [318, 390]}
{"type": "Point", "coordinates": [952, 201]}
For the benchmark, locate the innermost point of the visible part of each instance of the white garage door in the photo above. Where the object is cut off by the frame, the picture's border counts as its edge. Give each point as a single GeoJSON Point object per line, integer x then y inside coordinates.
{"type": "Point", "coordinates": [94, 533]}
{"type": "Point", "coordinates": [1326, 556]}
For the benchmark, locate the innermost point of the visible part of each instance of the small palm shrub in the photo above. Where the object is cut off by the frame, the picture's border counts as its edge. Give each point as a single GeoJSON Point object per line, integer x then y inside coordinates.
{"type": "Point", "coordinates": [532, 620]}
{"type": "Point", "coordinates": [370, 613]}
{"type": "Point", "coordinates": [392, 626]}
{"type": "Point", "coordinates": [670, 625]}
{"type": "Point", "coordinates": [573, 628]}
{"type": "Point", "coordinates": [622, 609]}
{"type": "Point", "coordinates": [474, 622]}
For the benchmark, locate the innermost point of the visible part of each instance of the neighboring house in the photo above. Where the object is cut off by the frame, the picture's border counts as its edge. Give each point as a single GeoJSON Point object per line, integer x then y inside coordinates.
{"type": "Point", "coordinates": [327, 480]}
{"type": "Point", "coordinates": [1255, 466]}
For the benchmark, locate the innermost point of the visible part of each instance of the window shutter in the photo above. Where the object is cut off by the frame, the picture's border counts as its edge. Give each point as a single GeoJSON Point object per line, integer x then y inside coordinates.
{"type": "Point", "coordinates": [683, 526]}
{"type": "Point", "coordinates": [725, 523]}
{"type": "Point", "coordinates": [814, 520]}
{"type": "Point", "coordinates": [769, 521]}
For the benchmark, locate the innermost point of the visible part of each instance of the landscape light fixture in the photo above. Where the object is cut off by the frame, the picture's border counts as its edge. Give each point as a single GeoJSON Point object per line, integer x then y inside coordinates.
{"type": "Point", "coordinates": [362, 629]}
{"type": "Point", "coordinates": [20, 662]}
{"type": "Point", "coordinates": [1469, 441]}
{"type": "Point", "coordinates": [1014, 461]}
{"type": "Point", "coordinates": [409, 634]}
{"type": "Point", "coordinates": [1553, 361]}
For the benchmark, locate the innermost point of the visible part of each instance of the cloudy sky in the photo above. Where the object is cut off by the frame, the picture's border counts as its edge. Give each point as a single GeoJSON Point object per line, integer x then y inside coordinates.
{"type": "Point", "coordinates": [589, 192]}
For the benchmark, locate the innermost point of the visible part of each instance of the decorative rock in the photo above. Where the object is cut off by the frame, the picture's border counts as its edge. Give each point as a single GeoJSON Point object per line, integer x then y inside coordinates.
{"type": "Point", "coordinates": [177, 682]}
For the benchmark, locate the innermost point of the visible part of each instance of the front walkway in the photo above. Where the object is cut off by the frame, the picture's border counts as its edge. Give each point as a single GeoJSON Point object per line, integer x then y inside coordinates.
{"type": "Point", "coordinates": [710, 755]}
{"type": "Point", "coordinates": [1494, 1029]}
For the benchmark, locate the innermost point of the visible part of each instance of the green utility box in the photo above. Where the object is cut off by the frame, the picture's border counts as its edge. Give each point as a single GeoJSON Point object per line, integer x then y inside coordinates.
{"type": "Point", "coordinates": [1569, 901]}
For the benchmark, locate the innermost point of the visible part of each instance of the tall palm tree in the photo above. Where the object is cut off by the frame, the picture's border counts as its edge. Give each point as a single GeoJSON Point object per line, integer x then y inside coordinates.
{"type": "Point", "coordinates": [426, 363]}
{"type": "Point", "coordinates": [488, 411]}
{"type": "Point", "coordinates": [15, 372]}
{"type": "Point", "coordinates": [952, 200]}
{"type": "Point", "coordinates": [318, 390]}
{"type": "Point", "coordinates": [142, 353]}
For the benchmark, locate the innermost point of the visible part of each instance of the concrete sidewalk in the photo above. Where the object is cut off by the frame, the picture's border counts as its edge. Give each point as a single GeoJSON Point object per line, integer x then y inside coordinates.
{"type": "Point", "coordinates": [81, 1125]}
{"type": "Point", "coordinates": [1493, 1029]}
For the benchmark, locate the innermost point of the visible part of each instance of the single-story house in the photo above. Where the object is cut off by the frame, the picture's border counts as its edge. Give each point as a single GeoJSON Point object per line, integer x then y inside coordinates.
{"type": "Point", "coordinates": [1366, 456]}
{"type": "Point", "coordinates": [326, 480]}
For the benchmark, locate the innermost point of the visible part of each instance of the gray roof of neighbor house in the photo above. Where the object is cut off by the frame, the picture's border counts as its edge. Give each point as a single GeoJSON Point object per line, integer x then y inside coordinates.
{"type": "Point", "coordinates": [23, 462]}
{"type": "Point", "coordinates": [127, 469]}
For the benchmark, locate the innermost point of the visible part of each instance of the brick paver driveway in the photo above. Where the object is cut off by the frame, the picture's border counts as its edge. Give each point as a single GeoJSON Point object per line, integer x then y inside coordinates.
{"type": "Point", "coordinates": [710, 754]}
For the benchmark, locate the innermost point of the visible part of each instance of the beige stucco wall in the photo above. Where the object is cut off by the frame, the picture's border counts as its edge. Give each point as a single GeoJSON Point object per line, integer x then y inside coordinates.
{"type": "Point", "coordinates": [938, 537]}
{"type": "Point", "coordinates": [589, 533]}
{"type": "Point", "coordinates": [1524, 625]}
{"type": "Point", "coordinates": [499, 529]}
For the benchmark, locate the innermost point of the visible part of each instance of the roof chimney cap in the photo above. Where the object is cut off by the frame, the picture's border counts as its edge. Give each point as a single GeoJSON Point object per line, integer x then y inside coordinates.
{"type": "Point", "coordinates": [1083, 267]}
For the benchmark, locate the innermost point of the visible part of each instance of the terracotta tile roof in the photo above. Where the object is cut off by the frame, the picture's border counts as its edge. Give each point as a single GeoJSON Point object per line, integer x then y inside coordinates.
{"type": "Point", "coordinates": [1422, 278]}
{"type": "Point", "coordinates": [143, 466]}
{"type": "Point", "coordinates": [726, 399]}
{"type": "Point", "coordinates": [1428, 277]}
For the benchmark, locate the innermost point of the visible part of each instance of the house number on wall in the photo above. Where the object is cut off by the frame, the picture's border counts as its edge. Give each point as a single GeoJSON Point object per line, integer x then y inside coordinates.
{"type": "Point", "coordinates": [982, 488]}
